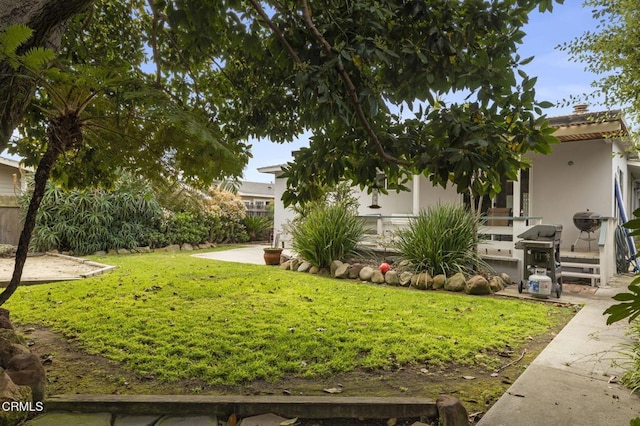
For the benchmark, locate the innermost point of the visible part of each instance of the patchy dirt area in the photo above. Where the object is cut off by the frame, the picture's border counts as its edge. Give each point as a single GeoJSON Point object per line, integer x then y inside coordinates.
{"type": "Point", "coordinates": [45, 268]}
{"type": "Point", "coordinates": [71, 370]}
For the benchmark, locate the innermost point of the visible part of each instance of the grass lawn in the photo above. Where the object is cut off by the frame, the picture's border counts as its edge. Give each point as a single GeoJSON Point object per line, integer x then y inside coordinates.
{"type": "Point", "coordinates": [172, 317]}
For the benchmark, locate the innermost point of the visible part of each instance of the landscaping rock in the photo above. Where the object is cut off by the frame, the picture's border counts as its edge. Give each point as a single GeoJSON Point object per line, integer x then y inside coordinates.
{"type": "Point", "coordinates": [186, 247]}
{"type": "Point", "coordinates": [314, 270]}
{"type": "Point", "coordinates": [263, 420]}
{"type": "Point", "coordinates": [423, 281]}
{"type": "Point", "coordinates": [354, 270]}
{"type": "Point", "coordinates": [366, 273]}
{"type": "Point", "coordinates": [285, 265]}
{"type": "Point", "coordinates": [392, 278]}
{"type": "Point", "coordinates": [304, 267]}
{"type": "Point", "coordinates": [201, 420]}
{"type": "Point", "coordinates": [10, 392]}
{"type": "Point", "coordinates": [5, 322]}
{"type": "Point", "coordinates": [439, 281]}
{"type": "Point", "coordinates": [496, 284]}
{"type": "Point", "coordinates": [11, 336]}
{"type": "Point", "coordinates": [123, 251]}
{"type": "Point", "coordinates": [342, 271]}
{"type": "Point", "coordinates": [146, 249]}
{"type": "Point", "coordinates": [8, 350]}
{"type": "Point", "coordinates": [295, 263]}
{"type": "Point", "coordinates": [172, 247]}
{"type": "Point", "coordinates": [405, 278]}
{"type": "Point", "coordinates": [26, 370]}
{"type": "Point", "coordinates": [456, 282]}
{"type": "Point", "coordinates": [451, 412]}
{"type": "Point", "coordinates": [377, 277]}
{"type": "Point", "coordinates": [506, 279]}
{"type": "Point", "coordinates": [404, 264]}
{"type": "Point", "coordinates": [478, 285]}
{"type": "Point", "coordinates": [334, 266]}
{"type": "Point", "coordinates": [100, 253]}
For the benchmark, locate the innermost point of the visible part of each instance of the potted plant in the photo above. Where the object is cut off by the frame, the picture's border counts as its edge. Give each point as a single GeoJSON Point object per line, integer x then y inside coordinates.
{"type": "Point", "coordinates": [272, 254]}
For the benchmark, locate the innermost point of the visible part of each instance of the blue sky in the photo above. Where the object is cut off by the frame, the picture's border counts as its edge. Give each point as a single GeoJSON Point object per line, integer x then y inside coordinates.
{"type": "Point", "coordinates": [558, 78]}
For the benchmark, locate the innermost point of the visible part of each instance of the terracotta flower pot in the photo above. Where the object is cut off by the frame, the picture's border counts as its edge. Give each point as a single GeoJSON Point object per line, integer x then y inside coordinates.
{"type": "Point", "coordinates": [272, 255]}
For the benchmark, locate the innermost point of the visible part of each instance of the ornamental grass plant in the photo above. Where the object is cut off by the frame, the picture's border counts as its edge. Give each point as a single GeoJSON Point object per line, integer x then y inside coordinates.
{"type": "Point", "coordinates": [442, 240]}
{"type": "Point", "coordinates": [327, 233]}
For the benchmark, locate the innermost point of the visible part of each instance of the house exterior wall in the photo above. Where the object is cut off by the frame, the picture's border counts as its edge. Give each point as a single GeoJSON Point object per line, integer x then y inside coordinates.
{"type": "Point", "coordinates": [7, 186]}
{"type": "Point", "coordinates": [577, 176]}
{"type": "Point", "coordinates": [433, 195]}
{"type": "Point", "coordinates": [281, 215]}
{"type": "Point", "coordinates": [10, 186]}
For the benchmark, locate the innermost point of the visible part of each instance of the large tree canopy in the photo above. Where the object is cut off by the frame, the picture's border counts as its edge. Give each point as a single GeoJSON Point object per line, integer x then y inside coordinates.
{"type": "Point", "coordinates": [369, 80]}
{"type": "Point", "coordinates": [611, 52]}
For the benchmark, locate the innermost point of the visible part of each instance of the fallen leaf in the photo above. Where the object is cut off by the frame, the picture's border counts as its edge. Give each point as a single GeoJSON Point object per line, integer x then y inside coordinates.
{"type": "Point", "coordinates": [613, 379]}
{"type": "Point", "coordinates": [424, 370]}
{"type": "Point", "coordinates": [516, 394]}
{"type": "Point", "coordinates": [494, 374]}
{"type": "Point", "coordinates": [332, 390]}
{"type": "Point", "coordinates": [232, 420]}
{"type": "Point", "coordinates": [468, 377]}
{"type": "Point", "coordinates": [392, 422]}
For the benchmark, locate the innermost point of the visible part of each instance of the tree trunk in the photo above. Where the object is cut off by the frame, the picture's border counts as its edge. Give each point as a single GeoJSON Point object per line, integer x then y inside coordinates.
{"type": "Point", "coordinates": [47, 18]}
{"type": "Point", "coordinates": [63, 132]}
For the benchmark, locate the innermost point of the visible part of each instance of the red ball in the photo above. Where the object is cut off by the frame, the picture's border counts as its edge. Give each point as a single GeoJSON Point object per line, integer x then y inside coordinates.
{"type": "Point", "coordinates": [384, 267]}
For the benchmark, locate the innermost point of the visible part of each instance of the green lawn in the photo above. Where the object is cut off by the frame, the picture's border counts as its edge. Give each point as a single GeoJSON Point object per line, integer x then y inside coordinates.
{"type": "Point", "coordinates": [174, 316]}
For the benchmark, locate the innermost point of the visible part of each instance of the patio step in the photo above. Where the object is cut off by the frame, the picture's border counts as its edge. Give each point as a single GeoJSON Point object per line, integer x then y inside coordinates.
{"type": "Point", "coordinates": [577, 270]}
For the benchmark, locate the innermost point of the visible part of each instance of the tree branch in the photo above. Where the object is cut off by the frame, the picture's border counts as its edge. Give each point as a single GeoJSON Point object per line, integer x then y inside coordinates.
{"type": "Point", "coordinates": [281, 38]}
{"type": "Point", "coordinates": [351, 88]}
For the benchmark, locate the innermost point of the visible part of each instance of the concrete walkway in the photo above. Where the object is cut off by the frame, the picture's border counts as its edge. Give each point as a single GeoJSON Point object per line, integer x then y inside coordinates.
{"type": "Point", "coordinates": [574, 380]}
{"type": "Point", "coordinates": [250, 254]}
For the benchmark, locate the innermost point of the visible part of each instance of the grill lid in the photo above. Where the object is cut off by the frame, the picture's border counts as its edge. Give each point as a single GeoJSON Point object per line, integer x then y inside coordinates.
{"type": "Point", "coordinates": [587, 221]}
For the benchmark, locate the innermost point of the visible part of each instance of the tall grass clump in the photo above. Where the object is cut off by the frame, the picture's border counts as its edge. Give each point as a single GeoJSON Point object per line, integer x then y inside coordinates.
{"type": "Point", "coordinates": [631, 377]}
{"type": "Point", "coordinates": [327, 233]}
{"type": "Point", "coordinates": [442, 240]}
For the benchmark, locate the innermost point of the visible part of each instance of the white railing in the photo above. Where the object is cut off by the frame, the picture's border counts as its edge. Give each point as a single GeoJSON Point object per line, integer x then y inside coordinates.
{"type": "Point", "coordinates": [498, 233]}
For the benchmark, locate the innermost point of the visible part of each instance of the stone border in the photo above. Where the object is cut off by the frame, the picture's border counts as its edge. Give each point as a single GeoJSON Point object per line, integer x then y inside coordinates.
{"type": "Point", "coordinates": [402, 275]}
{"type": "Point", "coordinates": [103, 268]}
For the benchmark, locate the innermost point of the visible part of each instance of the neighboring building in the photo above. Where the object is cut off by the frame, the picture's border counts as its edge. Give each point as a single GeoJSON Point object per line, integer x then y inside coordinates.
{"type": "Point", "coordinates": [12, 183]}
{"type": "Point", "coordinates": [580, 174]}
{"type": "Point", "coordinates": [257, 197]}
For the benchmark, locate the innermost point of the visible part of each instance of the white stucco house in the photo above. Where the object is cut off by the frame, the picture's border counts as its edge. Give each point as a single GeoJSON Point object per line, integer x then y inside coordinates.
{"type": "Point", "coordinates": [579, 175]}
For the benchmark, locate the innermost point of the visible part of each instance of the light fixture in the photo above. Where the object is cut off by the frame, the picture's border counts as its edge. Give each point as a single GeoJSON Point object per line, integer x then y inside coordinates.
{"type": "Point", "coordinates": [374, 197]}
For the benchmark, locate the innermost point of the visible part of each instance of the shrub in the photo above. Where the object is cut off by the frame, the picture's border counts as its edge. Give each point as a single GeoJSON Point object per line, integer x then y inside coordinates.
{"type": "Point", "coordinates": [328, 233]}
{"type": "Point", "coordinates": [257, 227]}
{"type": "Point", "coordinates": [442, 240]}
{"type": "Point", "coordinates": [90, 220]}
{"type": "Point", "coordinates": [187, 227]}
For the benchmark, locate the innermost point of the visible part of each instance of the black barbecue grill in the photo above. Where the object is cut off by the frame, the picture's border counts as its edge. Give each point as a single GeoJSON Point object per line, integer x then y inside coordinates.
{"type": "Point", "coordinates": [587, 222]}
{"type": "Point", "coordinates": [541, 245]}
